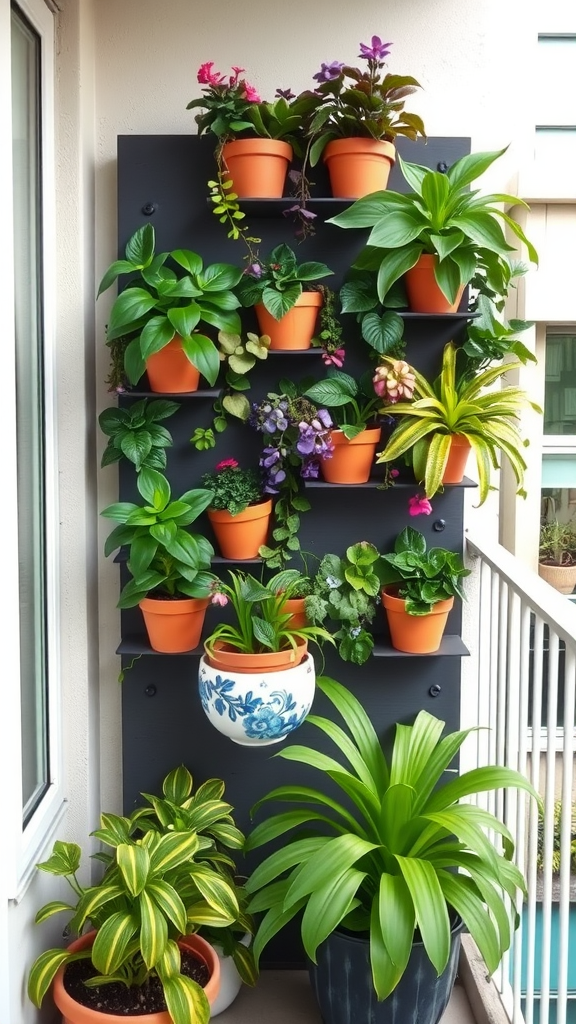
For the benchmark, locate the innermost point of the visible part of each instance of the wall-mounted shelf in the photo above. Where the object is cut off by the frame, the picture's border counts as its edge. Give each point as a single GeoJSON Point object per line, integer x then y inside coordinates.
{"type": "Point", "coordinates": [133, 644]}
{"type": "Point", "coordinates": [451, 646]}
{"type": "Point", "coordinates": [376, 482]}
{"type": "Point", "coordinates": [201, 393]}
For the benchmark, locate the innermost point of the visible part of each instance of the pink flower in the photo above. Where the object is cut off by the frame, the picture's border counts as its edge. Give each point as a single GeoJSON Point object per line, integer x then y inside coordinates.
{"type": "Point", "coordinates": [208, 77]}
{"type": "Point", "coordinates": [335, 358]}
{"type": "Point", "coordinates": [219, 598]}
{"type": "Point", "coordinates": [394, 473]}
{"type": "Point", "coordinates": [394, 381]}
{"type": "Point", "coordinates": [237, 72]}
{"type": "Point", "coordinates": [226, 464]}
{"type": "Point", "coordinates": [419, 506]}
{"type": "Point", "coordinates": [250, 94]}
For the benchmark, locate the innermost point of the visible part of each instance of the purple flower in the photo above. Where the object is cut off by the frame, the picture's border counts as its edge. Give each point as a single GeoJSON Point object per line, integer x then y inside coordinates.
{"type": "Point", "coordinates": [306, 443]}
{"type": "Point", "coordinates": [285, 94]}
{"type": "Point", "coordinates": [377, 51]}
{"type": "Point", "coordinates": [325, 418]}
{"type": "Point", "coordinates": [255, 269]}
{"type": "Point", "coordinates": [328, 72]}
{"type": "Point", "coordinates": [310, 469]}
{"type": "Point", "coordinates": [269, 458]}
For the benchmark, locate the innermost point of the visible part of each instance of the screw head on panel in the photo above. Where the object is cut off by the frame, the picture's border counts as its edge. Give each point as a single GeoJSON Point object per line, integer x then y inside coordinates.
{"type": "Point", "coordinates": [150, 691]}
{"type": "Point", "coordinates": [435, 690]}
{"type": "Point", "coordinates": [148, 209]}
{"type": "Point", "coordinates": [439, 525]}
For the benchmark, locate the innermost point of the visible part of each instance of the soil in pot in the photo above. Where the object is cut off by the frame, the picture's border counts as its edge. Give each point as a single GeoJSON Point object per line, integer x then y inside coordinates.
{"type": "Point", "coordinates": [119, 999]}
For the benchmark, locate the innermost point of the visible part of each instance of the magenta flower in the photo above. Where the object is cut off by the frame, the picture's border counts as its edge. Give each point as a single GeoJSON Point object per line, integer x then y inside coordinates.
{"type": "Point", "coordinates": [377, 51]}
{"type": "Point", "coordinates": [226, 464]}
{"type": "Point", "coordinates": [208, 77]}
{"type": "Point", "coordinates": [394, 473]}
{"type": "Point", "coordinates": [328, 72]}
{"type": "Point", "coordinates": [419, 506]}
{"type": "Point", "coordinates": [251, 94]}
{"type": "Point", "coordinates": [237, 73]}
{"type": "Point", "coordinates": [335, 358]}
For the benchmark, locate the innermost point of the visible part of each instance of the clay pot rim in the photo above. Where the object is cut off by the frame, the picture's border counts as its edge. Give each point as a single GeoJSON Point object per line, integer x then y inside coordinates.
{"type": "Point", "coordinates": [237, 661]}
{"type": "Point", "coordinates": [362, 143]}
{"type": "Point", "coordinates": [306, 298]}
{"type": "Point", "coordinates": [263, 507]}
{"type": "Point", "coordinates": [396, 602]}
{"type": "Point", "coordinates": [371, 435]}
{"type": "Point", "coordinates": [173, 605]}
{"type": "Point", "coordinates": [272, 147]}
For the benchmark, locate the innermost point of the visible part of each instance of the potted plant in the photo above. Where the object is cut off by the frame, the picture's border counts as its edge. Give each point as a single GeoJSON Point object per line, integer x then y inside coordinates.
{"type": "Point", "coordinates": [296, 437]}
{"type": "Point", "coordinates": [239, 512]}
{"type": "Point", "coordinates": [157, 315]}
{"type": "Point", "coordinates": [452, 415]}
{"type": "Point", "coordinates": [138, 954]}
{"type": "Point", "coordinates": [385, 883]}
{"type": "Point", "coordinates": [353, 117]}
{"type": "Point", "coordinates": [137, 434]}
{"type": "Point", "coordinates": [256, 678]}
{"type": "Point", "coordinates": [297, 586]}
{"type": "Point", "coordinates": [169, 565]}
{"type": "Point", "coordinates": [354, 407]}
{"type": "Point", "coordinates": [439, 236]}
{"type": "Point", "coordinates": [181, 809]}
{"type": "Point", "coordinates": [557, 555]}
{"type": "Point", "coordinates": [285, 309]}
{"type": "Point", "coordinates": [255, 138]}
{"type": "Point", "coordinates": [420, 585]}
{"type": "Point", "coordinates": [345, 591]}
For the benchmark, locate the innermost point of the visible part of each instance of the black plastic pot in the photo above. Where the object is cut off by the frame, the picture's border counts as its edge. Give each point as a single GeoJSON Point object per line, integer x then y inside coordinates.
{"type": "Point", "coordinates": [342, 983]}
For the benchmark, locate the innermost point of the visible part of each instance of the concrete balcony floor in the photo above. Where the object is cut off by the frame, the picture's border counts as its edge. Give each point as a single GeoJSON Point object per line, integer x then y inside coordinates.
{"type": "Point", "coordinates": [285, 997]}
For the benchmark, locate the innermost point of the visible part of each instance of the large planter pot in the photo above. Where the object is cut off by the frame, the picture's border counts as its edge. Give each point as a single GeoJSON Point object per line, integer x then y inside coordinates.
{"type": "Point", "coordinates": [257, 709]}
{"type": "Point", "coordinates": [174, 626]}
{"type": "Point", "coordinates": [295, 330]}
{"type": "Point", "coordinates": [170, 371]}
{"type": "Point", "coordinates": [415, 634]}
{"type": "Point", "coordinates": [358, 166]}
{"type": "Point", "coordinates": [241, 536]}
{"type": "Point", "coordinates": [224, 658]}
{"type": "Point", "coordinates": [258, 167]}
{"type": "Point", "coordinates": [74, 1013]}
{"type": "Point", "coordinates": [230, 980]}
{"type": "Point", "coordinates": [561, 577]}
{"type": "Point", "coordinates": [424, 295]}
{"type": "Point", "coordinates": [351, 461]}
{"type": "Point", "coordinates": [342, 983]}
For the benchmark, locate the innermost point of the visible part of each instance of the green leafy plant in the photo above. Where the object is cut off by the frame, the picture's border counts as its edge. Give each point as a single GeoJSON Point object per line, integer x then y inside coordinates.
{"type": "Point", "coordinates": [557, 543]}
{"type": "Point", "coordinates": [381, 328]}
{"type": "Point", "coordinates": [488, 419]}
{"type": "Point", "coordinates": [443, 218]}
{"type": "Point", "coordinates": [233, 488]}
{"type": "Point", "coordinates": [346, 591]}
{"type": "Point", "coordinates": [136, 434]}
{"type": "Point", "coordinates": [262, 623]}
{"type": "Point", "coordinates": [556, 835]}
{"type": "Point", "coordinates": [164, 557]}
{"type": "Point", "coordinates": [145, 901]}
{"type": "Point", "coordinates": [424, 575]}
{"type": "Point", "coordinates": [406, 855]}
{"type": "Point", "coordinates": [278, 282]}
{"type": "Point", "coordinates": [352, 403]}
{"type": "Point", "coordinates": [205, 812]}
{"type": "Point", "coordinates": [161, 302]}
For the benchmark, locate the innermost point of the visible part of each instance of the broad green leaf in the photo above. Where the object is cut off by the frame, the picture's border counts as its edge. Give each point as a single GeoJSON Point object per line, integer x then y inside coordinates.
{"type": "Point", "coordinates": [203, 354]}
{"type": "Point", "coordinates": [447, 274]}
{"type": "Point", "coordinates": [327, 906]}
{"type": "Point", "coordinates": [382, 332]}
{"type": "Point", "coordinates": [460, 894]}
{"type": "Point", "coordinates": [134, 864]}
{"type": "Point", "coordinates": [479, 780]}
{"type": "Point", "coordinates": [359, 725]}
{"type": "Point", "coordinates": [397, 919]}
{"type": "Point", "coordinates": [385, 975]}
{"type": "Point", "coordinates": [153, 930]}
{"type": "Point", "coordinates": [278, 303]}
{"type": "Point", "coordinates": [130, 306]}
{"type": "Point", "coordinates": [394, 264]}
{"type": "Point", "coordinates": [429, 907]}
{"type": "Point", "coordinates": [140, 247]}
{"type": "Point", "coordinates": [397, 228]}
{"type": "Point", "coordinates": [219, 277]}
{"type": "Point", "coordinates": [191, 261]}
{"type": "Point", "coordinates": [279, 824]}
{"type": "Point", "coordinates": [300, 794]}
{"type": "Point", "coordinates": [154, 488]}
{"type": "Point", "coordinates": [296, 853]}
{"type": "Point", "coordinates": [369, 210]}
{"type": "Point", "coordinates": [472, 166]}
{"type": "Point", "coordinates": [111, 942]}
{"type": "Point", "coordinates": [184, 319]}
{"type": "Point", "coordinates": [114, 271]}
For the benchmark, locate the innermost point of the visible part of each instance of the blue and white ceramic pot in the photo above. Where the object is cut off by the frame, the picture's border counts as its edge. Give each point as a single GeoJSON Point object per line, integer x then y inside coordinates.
{"type": "Point", "coordinates": [257, 709]}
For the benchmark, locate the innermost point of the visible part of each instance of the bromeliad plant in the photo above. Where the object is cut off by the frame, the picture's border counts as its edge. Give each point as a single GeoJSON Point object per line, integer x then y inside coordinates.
{"type": "Point", "coordinates": [135, 433]}
{"type": "Point", "coordinates": [169, 294]}
{"type": "Point", "coordinates": [164, 557]}
{"type": "Point", "coordinates": [424, 575]}
{"type": "Point", "coordinates": [462, 228]}
{"type": "Point", "coordinates": [403, 854]}
{"type": "Point", "coordinates": [144, 903]}
{"type": "Point", "coordinates": [278, 282]}
{"type": "Point", "coordinates": [488, 419]}
{"type": "Point", "coordinates": [346, 591]}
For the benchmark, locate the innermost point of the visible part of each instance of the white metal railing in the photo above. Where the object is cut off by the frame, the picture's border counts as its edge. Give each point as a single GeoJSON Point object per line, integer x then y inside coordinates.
{"type": "Point", "coordinates": [521, 682]}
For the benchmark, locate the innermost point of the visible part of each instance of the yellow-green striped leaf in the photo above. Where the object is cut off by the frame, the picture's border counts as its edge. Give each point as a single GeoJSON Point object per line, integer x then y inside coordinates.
{"type": "Point", "coordinates": [201, 913]}
{"type": "Point", "coordinates": [111, 942]}
{"type": "Point", "coordinates": [153, 930]}
{"type": "Point", "coordinates": [169, 963]}
{"type": "Point", "coordinates": [92, 899]}
{"type": "Point", "coordinates": [43, 971]}
{"type": "Point", "coordinates": [169, 902]}
{"type": "Point", "coordinates": [134, 863]}
{"type": "Point", "coordinates": [52, 908]}
{"type": "Point", "coordinates": [177, 785]}
{"type": "Point", "coordinates": [186, 1001]}
{"type": "Point", "coordinates": [172, 850]}
{"type": "Point", "coordinates": [215, 890]}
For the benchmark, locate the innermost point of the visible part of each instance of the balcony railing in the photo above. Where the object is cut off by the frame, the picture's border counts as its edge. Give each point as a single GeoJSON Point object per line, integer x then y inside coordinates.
{"type": "Point", "coordinates": [520, 683]}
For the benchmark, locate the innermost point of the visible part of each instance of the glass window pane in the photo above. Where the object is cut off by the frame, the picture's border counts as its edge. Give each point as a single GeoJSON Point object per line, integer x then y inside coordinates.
{"type": "Point", "coordinates": [556, 145]}
{"type": "Point", "coordinates": [560, 386]}
{"type": "Point", "coordinates": [555, 102]}
{"type": "Point", "coordinates": [26, 119]}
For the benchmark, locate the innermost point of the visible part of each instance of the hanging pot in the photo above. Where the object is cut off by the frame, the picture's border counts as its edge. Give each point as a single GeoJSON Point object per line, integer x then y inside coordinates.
{"type": "Point", "coordinates": [342, 983]}
{"type": "Point", "coordinates": [170, 371]}
{"type": "Point", "coordinates": [258, 708]}
{"type": "Point", "coordinates": [424, 294]}
{"type": "Point", "coordinates": [415, 634]}
{"type": "Point", "coordinates": [358, 166]}
{"type": "Point", "coordinates": [457, 459]}
{"type": "Point", "coordinates": [561, 577]}
{"type": "Point", "coordinates": [295, 330]}
{"type": "Point", "coordinates": [174, 626]}
{"type": "Point", "coordinates": [225, 658]}
{"type": "Point", "coordinates": [241, 536]}
{"type": "Point", "coordinates": [352, 461]}
{"type": "Point", "coordinates": [257, 167]}
{"type": "Point", "coordinates": [75, 1013]}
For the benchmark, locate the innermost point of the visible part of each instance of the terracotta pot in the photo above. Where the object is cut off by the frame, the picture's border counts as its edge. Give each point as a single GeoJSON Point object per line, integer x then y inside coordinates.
{"type": "Point", "coordinates": [295, 330]}
{"type": "Point", "coordinates": [174, 626]}
{"type": "Point", "coordinates": [457, 459]}
{"type": "Point", "coordinates": [240, 536]}
{"type": "Point", "coordinates": [226, 658]}
{"type": "Point", "coordinates": [258, 167]}
{"type": "Point", "coordinates": [424, 295]}
{"type": "Point", "coordinates": [352, 461]}
{"type": "Point", "coordinates": [415, 634]}
{"type": "Point", "coordinates": [74, 1013]}
{"type": "Point", "coordinates": [561, 577]}
{"type": "Point", "coordinates": [297, 608]}
{"type": "Point", "coordinates": [358, 166]}
{"type": "Point", "coordinates": [170, 371]}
